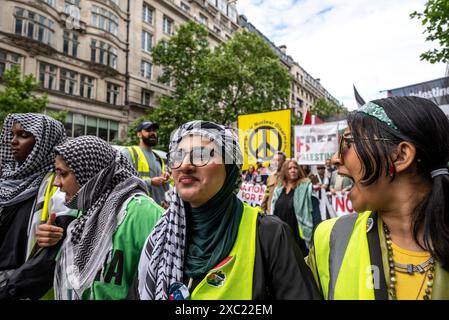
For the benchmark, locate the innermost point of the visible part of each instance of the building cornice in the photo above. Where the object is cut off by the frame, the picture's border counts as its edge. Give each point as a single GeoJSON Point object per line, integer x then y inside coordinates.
{"type": "Point", "coordinates": [31, 46]}
{"type": "Point", "coordinates": [60, 94]}
{"type": "Point", "coordinates": [106, 36]}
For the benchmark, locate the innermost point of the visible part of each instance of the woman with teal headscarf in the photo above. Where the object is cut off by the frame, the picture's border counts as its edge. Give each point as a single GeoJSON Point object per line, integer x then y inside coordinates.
{"type": "Point", "coordinates": [208, 244]}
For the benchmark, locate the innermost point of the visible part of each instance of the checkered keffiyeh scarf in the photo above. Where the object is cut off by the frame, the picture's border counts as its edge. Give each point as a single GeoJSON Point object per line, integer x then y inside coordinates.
{"type": "Point", "coordinates": [107, 180]}
{"type": "Point", "coordinates": [19, 182]}
{"type": "Point", "coordinates": [161, 261]}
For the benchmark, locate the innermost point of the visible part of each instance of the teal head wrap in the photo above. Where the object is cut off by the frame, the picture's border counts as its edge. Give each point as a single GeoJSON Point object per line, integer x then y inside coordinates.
{"type": "Point", "coordinates": [377, 112]}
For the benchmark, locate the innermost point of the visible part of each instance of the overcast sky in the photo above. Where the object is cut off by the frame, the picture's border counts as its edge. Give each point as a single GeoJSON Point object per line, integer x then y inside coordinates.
{"type": "Point", "coordinates": [370, 43]}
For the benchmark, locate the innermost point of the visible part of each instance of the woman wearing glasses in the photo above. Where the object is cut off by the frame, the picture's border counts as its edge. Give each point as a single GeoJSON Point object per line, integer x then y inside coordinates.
{"type": "Point", "coordinates": [209, 245]}
{"type": "Point", "coordinates": [27, 198]}
{"type": "Point", "coordinates": [99, 257]}
{"type": "Point", "coordinates": [396, 151]}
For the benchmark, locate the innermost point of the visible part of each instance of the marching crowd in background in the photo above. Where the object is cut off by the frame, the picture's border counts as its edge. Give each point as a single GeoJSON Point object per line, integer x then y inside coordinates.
{"type": "Point", "coordinates": [82, 220]}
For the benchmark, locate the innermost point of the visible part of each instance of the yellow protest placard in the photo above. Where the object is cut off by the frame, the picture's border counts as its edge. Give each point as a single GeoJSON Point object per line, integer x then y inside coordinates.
{"type": "Point", "coordinates": [261, 135]}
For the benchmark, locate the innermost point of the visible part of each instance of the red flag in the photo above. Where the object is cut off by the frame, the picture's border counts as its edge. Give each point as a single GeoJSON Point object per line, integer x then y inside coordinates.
{"type": "Point", "coordinates": [306, 118]}
{"type": "Point", "coordinates": [318, 120]}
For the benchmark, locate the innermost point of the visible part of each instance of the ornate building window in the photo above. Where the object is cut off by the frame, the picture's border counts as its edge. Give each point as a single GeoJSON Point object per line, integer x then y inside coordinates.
{"type": "Point", "coordinates": [232, 13]}
{"type": "Point", "coordinates": [147, 14]}
{"type": "Point", "coordinates": [70, 43]}
{"type": "Point", "coordinates": [87, 87]}
{"type": "Point", "coordinates": [68, 82]}
{"type": "Point", "coordinates": [7, 60]}
{"type": "Point", "coordinates": [146, 69]}
{"type": "Point", "coordinates": [113, 93]}
{"type": "Point", "coordinates": [47, 75]}
{"type": "Point", "coordinates": [32, 25]}
{"type": "Point", "coordinates": [146, 97]}
{"type": "Point", "coordinates": [103, 53]}
{"type": "Point", "coordinates": [105, 20]}
{"type": "Point", "coordinates": [50, 2]}
{"type": "Point", "coordinates": [147, 41]}
{"type": "Point", "coordinates": [222, 6]}
{"type": "Point", "coordinates": [167, 25]}
{"type": "Point", "coordinates": [203, 20]}
{"type": "Point", "coordinates": [68, 4]}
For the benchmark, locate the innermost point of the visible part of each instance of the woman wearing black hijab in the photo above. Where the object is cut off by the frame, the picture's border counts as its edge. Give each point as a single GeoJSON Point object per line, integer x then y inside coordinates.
{"type": "Point", "coordinates": [209, 245]}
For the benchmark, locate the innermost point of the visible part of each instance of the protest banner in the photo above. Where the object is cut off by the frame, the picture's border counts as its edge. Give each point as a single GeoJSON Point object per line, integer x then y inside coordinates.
{"type": "Point", "coordinates": [435, 90]}
{"type": "Point", "coordinates": [334, 205]}
{"type": "Point", "coordinates": [252, 193]}
{"type": "Point", "coordinates": [261, 135]}
{"type": "Point", "coordinates": [341, 204]}
{"type": "Point", "coordinates": [316, 143]}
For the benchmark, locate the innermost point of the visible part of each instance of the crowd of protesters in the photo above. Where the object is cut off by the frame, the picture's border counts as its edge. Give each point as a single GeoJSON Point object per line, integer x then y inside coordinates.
{"type": "Point", "coordinates": [81, 220]}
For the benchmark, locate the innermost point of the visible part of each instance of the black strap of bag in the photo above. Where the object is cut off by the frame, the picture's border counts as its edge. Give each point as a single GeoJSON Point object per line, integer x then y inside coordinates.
{"type": "Point", "coordinates": [375, 252]}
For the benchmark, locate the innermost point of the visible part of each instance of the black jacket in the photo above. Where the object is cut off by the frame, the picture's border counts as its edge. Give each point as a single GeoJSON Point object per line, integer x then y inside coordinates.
{"type": "Point", "coordinates": [21, 278]}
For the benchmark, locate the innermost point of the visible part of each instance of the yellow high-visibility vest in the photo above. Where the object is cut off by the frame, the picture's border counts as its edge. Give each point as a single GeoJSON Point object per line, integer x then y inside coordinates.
{"type": "Point", "coordinates": [140, 162]}
{"type": "Point", "coordinates": [344, 271]}
{"type": "Point", "coordinates": [233, 278]}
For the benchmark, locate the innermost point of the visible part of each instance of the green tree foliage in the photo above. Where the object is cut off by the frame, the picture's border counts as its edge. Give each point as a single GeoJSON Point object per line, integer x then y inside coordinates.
{"type": "Point", "coordinates": [58, 115]}
{"type": "Point", "coordinates": [245, 76]}
{"type": "Point", "coordinates": [17, 95]}
{"type": "Point", "coordinates": [326, 109]}
{"type": "Point", "coordinates": [296, 120]}
{"type": "Point", "coordinates": [131, 138]}
{"type": "Point", "coordinates": [435, 18]}
{"type": "Point", "coordinates": [240, 76]}
{"type": "Point", "coordinates": [183, 59]}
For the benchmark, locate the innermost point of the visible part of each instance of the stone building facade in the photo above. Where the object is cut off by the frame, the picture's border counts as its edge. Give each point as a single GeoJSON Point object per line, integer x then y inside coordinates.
{"type": "Point", "coordinates": [93, 57]}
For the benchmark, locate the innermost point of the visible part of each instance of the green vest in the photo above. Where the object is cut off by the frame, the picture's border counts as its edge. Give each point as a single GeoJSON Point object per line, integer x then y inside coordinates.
{"type": "Point", "coordinates": [115, 279]}
{"type": "Point", "coordinates": [140, 163]}
{"type": "Point", "coordinates": [232, 279]}
{"type": "Point", "coordinates": [343, 263]}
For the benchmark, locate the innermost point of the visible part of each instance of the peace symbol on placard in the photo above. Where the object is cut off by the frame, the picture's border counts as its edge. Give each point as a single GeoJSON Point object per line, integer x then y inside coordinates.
{"type": "Point", "coordinates": [264, 142]}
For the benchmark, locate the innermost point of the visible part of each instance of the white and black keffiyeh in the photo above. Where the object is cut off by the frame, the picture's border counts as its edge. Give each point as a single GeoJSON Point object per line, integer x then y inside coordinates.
{"type": "Point", "coordinates": [107, 180]}
{"type": "Point", "coordinates": [19, 182]}
{"type": "Point", "coordinates": [162, 259]}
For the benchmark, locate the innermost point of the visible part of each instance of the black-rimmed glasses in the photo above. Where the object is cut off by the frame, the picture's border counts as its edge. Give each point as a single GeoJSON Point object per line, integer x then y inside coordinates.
{"type": "Point", "coordinates": [198, 156]}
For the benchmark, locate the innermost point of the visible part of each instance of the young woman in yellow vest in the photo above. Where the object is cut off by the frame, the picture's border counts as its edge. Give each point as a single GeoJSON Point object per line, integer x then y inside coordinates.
{"type": "Point", "coordinates": [396, 151]}
{"type": "Point", "coordinates": [209, 245]}
{"type": "Point", "coordinates": [26, 199]}
{"type": "Point", "coordinates": [99, 257]}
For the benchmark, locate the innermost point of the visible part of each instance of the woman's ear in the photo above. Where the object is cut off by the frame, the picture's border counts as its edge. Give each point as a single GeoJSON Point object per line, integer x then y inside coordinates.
{"type": "Point", "coordinates": [405, 154]}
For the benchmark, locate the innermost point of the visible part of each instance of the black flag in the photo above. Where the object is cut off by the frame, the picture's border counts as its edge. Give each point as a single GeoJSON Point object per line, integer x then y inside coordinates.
{"type": "Point", "coordinates": [358, 98]}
